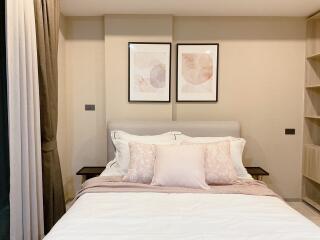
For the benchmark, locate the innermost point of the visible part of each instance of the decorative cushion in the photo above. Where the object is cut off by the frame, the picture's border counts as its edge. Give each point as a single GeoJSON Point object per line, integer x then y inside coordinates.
{"type": "Point", "coordinates": [121, 141]}
{"type": "Point", "coordinates": [219, 166]}
{"type": "Point", "coordinates": [142, 157]}
{"type": "Point", "coordinates": [236, 150]}
{"type": "Point", "coordinates": [180, 166]}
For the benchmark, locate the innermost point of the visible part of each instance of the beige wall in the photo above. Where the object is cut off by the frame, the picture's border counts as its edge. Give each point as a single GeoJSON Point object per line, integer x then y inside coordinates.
{"type": "Point", "coordinates": [63, 123]}
{"type": "Point", "coordinates": [119, 30]}
{"type": "Point", "coordinates": [260, 84]}
{"type": "Point", "coordinates": [84, 83]}
{"type": "Point", "coordinates": [261, 72]}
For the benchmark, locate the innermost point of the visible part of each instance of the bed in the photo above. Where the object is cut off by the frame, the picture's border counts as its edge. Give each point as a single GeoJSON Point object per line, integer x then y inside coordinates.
{"type": "Point", "coordinates": [158, 214]}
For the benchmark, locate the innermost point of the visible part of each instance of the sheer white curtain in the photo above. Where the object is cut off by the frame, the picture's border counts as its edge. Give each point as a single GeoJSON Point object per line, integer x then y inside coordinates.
{"type": "Point", "coordinates": [26, 210]}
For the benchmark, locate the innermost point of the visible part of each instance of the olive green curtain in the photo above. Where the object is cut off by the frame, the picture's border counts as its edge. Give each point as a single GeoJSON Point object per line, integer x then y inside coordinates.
{"type": "Point", "coordinates": [47, 14]}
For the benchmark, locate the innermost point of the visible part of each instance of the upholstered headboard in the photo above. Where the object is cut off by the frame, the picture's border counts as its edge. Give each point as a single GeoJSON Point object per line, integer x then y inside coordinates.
{"type": "Point", "coordinates": [191, 128]}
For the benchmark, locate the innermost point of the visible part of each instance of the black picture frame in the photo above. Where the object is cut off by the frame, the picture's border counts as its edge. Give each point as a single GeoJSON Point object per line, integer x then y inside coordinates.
{"type": "Point", "coordinates": [177, 73]}
{"type": "Point", "coordinates": [129, 71]}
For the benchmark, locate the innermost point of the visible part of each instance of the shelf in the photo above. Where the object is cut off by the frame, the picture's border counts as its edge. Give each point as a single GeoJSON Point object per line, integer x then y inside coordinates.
{"type": "Point", "coordinates": [314, 16]}
{"type": "Point", "coordinates": [314, 56]}
{"type": "Point", "coordinates": [312, 203]}
{"type": "Point", "coordinates": [312, 145]}
{"type": "Point", "coordinates": [312, 117]}
{"type": "Point", "coordinates": [311, 193]}
{"type": "Point", "coordinates": [312, 130]}
{"type": "Point", "coordinates": [313, 86]}
{"type": "Point", "coordinates": [310, 178]}
{"type": "Point", "coordinates": [312, 103]}
{"type": "Point", "coordinates": [313, 39]}
{"type": "Point", "coordinates": [311, 162]}
{"type": "Point", "coordinates": [313, 71]}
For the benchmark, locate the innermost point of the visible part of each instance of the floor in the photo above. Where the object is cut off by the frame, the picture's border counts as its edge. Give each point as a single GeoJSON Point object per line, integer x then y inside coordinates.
{"type": "Point", "coordinates": [307, 211]}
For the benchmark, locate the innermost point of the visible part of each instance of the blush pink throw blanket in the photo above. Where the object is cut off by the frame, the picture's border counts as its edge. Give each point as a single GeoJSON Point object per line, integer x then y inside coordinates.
{"type": "Point", "coordinates": [115, 184]}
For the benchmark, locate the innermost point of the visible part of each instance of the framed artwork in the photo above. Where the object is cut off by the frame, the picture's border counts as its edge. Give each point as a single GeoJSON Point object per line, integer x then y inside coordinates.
{"type": "Point", "coordinates": [149, 72]}
{"type": "Point", "coordinates": [197, 72]}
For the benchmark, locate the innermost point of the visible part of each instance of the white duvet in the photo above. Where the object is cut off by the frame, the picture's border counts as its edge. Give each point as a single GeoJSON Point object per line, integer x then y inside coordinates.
{"type": "Point", "coordinates": [136, 216]}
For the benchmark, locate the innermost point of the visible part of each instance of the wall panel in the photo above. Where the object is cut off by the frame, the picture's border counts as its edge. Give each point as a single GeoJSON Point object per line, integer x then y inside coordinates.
{"type": "Point", "coordinates": [260, 84]}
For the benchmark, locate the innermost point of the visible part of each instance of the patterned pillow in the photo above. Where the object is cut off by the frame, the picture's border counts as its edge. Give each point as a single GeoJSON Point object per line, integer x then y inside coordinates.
{"type": "Point", "coordinates": [142, 157]}
{"type": "Point", "coordinates": [121, 140]}
{"type": "Point", "coordinates": [219, 165]}
{"type": "Point", "coordinates": [236, 149]}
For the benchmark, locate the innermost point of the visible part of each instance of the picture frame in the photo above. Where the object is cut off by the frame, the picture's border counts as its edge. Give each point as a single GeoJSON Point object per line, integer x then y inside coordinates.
{"type": "Point", "coordinates": [149, 72]}
{"type": "Point", "coordinates": [197, 72]}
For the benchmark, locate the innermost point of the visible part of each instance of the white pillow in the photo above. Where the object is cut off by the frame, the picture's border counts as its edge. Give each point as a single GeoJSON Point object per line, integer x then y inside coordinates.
{"type": "Point", "coordinates": [121, 141]}
{"type": "Point", "coordinates": [112, 169]}
{"type": "Point", "coordinates": [180, 166]}
{"type": "Point", "coordinates": [236, 148]}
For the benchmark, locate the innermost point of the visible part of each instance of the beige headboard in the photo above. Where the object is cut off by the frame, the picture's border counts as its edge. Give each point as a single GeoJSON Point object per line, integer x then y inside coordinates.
{"type": "Point", "coordinates": [191, 128]}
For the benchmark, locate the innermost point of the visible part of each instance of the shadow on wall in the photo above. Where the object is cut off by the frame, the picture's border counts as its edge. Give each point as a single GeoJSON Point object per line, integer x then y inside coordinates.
{"type": "Point", "coordinates": [92, 26]}
{"type": "Point", "coordinates": [235, 28]}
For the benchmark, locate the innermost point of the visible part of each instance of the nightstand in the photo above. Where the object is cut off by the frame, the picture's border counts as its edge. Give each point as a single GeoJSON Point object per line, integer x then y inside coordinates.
{"type": "Point", "coordinates": [257, 172]}
{"type": "Point", "coordinates": [90, 172]}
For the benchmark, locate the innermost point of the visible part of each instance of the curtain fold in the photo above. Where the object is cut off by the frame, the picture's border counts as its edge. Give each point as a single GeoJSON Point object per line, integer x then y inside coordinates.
{"type": "Point", "coordinates": [47, 14]}
{"type": "Point", "coordinates": [26, 206]}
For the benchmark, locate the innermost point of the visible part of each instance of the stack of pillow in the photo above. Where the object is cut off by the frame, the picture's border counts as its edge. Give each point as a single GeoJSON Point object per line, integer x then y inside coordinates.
{"type": "Point", "coordinates": [174, 159]}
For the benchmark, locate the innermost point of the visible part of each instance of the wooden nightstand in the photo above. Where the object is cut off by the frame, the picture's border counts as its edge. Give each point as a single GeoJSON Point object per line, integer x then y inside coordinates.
{"type": "Point", "coordinates": [257, 172]}
{"type": "Point", "coordinates": [90, 172]}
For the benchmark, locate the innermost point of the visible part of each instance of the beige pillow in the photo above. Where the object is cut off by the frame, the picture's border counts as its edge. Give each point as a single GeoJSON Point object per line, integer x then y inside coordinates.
{"type": "Point", "coordinates": [180, 166]}
{"type": "Point", "coordinates": [142, 157]}
{"type": "Point", "coordinates": [219, 165]}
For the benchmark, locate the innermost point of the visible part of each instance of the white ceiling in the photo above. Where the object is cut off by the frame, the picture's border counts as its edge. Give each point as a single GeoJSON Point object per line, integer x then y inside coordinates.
{"type": "Point", "coordinates": [191, 7]}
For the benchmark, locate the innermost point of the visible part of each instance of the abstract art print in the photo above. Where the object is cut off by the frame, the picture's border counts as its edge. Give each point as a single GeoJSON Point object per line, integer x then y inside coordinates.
{"type": "Point", "coordinates": [149, 72]}
{"type": "Point", "coordinates": [197, 72]}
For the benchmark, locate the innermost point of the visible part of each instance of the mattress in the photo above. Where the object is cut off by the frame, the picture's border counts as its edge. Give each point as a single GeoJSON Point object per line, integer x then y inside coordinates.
{"type": "Point", "coordinates": [150, 215]}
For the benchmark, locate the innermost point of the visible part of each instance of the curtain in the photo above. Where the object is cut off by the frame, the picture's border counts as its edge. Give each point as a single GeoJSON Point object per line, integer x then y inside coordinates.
{"type": "Point", "coordinates": [47, 28]}
{"type": "Point", "coordinates": [26, 206]}
{"type": "Point", "coordinates": [4, 138]}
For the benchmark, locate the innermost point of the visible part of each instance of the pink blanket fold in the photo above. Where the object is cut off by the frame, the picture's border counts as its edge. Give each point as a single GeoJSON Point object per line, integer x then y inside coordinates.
{"type": "Point", "coordinates": [115, 184]}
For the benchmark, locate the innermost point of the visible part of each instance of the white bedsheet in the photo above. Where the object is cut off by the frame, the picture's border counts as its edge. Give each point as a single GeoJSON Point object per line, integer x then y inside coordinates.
{"type": "Point", "coordinates": [153, 216]}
